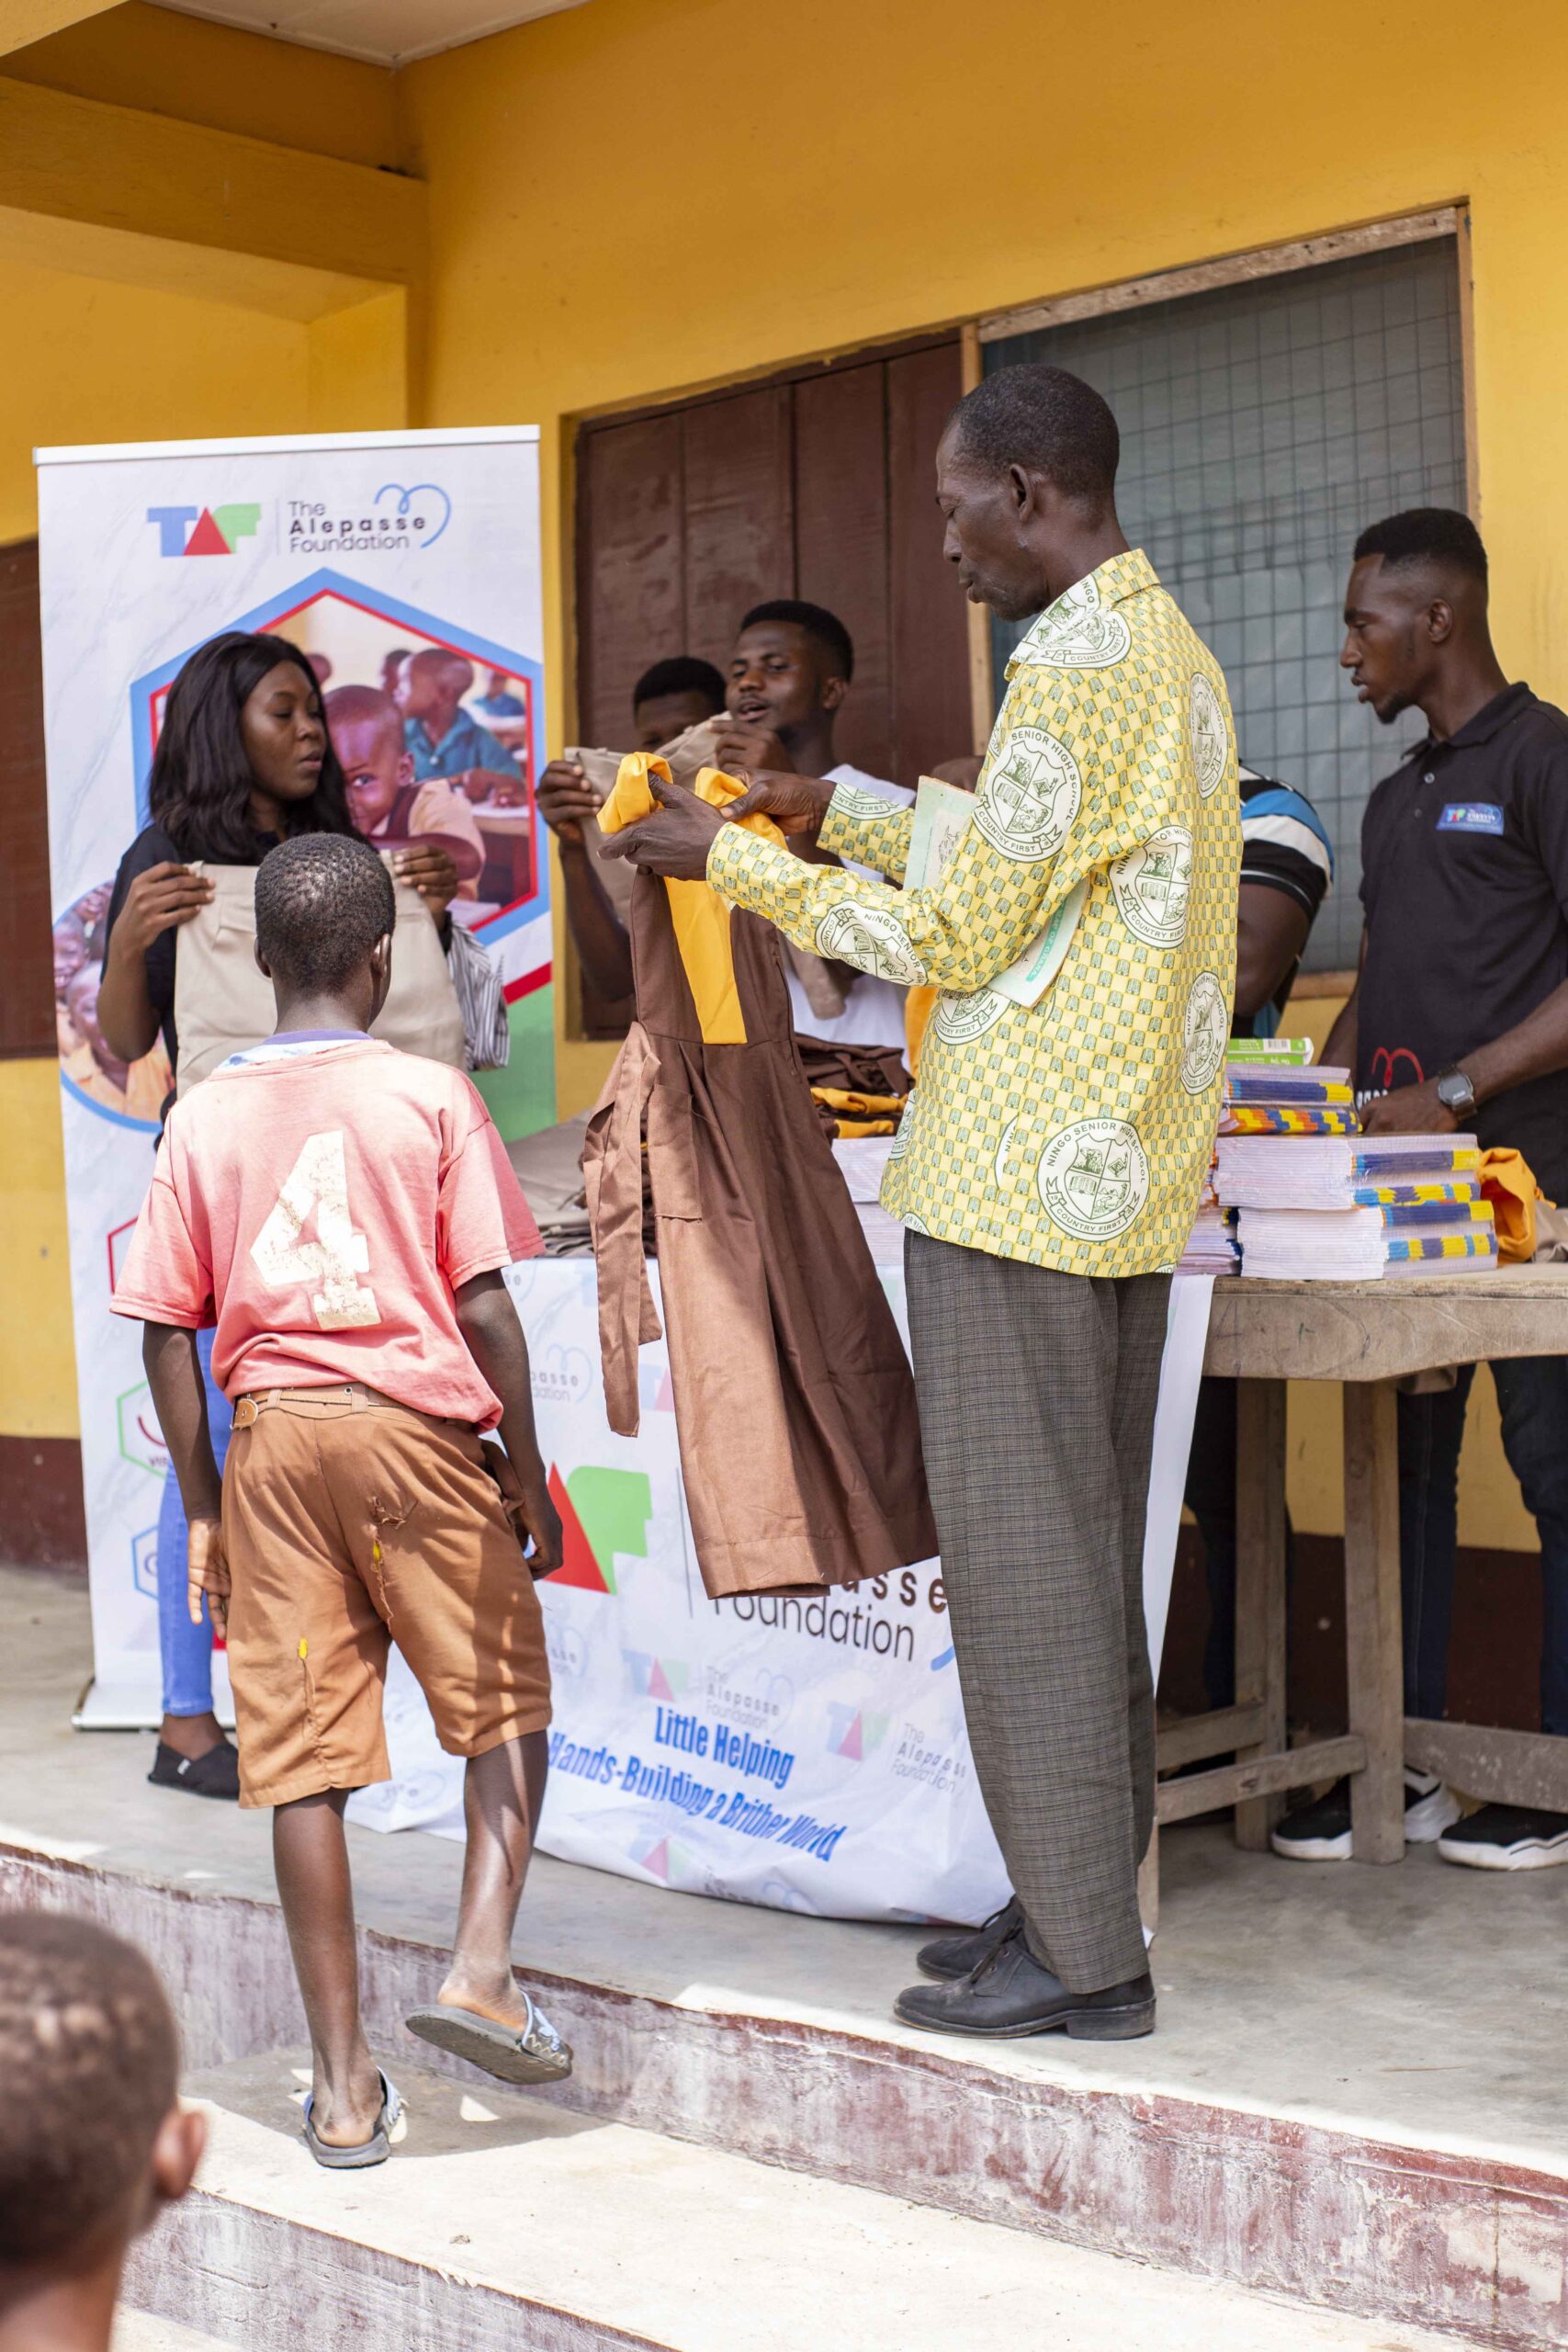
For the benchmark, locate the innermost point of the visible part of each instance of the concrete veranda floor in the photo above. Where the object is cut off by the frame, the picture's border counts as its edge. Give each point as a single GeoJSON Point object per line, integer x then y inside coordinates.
{"type": "Point", "coordinates": [1421, 2003]}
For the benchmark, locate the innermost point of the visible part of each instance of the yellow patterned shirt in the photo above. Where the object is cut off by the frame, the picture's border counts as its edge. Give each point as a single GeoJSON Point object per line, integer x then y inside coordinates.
{"type": "Point", "coordinates": [1075, 1132]}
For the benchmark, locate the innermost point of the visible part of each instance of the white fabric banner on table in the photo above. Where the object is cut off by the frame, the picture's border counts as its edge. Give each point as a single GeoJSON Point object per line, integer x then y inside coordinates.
{"type": "Point", "coordinates": [353, 547]}
{"type": "Point", "coordinates": [807, 1754]}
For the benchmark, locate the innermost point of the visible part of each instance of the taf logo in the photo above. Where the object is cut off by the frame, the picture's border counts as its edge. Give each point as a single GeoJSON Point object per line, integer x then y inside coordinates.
{"type": "Point", "coordinates": [203, 530]}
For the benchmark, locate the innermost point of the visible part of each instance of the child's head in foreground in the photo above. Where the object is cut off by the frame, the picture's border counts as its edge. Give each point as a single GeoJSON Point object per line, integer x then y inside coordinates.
{"type": "Point", "coordinates": [324, 917]}
{"type": "Point", "coordinates": [94, 2138]}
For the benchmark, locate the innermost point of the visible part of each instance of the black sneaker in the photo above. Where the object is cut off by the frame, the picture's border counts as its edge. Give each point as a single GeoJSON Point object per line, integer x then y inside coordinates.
{"type": "Point", "coordinates": [953, 1956]}
{"type": "Point", "coordinates": [1508, 1837]}
{"type": "Point", "coordinates": [216, 1774]}
{"type": "Point", "coordinates": [1321, 1832]}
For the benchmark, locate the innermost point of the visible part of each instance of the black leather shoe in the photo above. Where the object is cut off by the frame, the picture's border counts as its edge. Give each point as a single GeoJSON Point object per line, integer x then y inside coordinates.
{"type": "Point", "coordinates": [1011, 1994]}
{"type": "Point", "coordinates": [952, 1956]}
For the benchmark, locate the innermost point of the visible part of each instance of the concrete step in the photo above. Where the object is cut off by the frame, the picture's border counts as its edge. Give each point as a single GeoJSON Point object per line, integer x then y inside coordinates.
{"type": "Point", "coordinates": [145, 2332]}
{"type": "Point", "coordinates": [1353, 2098]}
{"type": "Point", "coordinates": [503, 2221]}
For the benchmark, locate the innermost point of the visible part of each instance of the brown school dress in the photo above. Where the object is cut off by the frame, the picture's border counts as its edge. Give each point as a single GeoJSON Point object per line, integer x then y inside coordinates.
{"type": "Point", "coordinates": [794, 1405]}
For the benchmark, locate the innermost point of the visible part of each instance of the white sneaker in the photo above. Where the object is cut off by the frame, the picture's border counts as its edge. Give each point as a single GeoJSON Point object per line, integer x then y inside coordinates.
{"type": "Point", "coordinates": [1430, 1807]}
{"type": "Point", "coordinates": [1508, 1838]}
{"type": "Point", "coordinates": [1321, 1832]}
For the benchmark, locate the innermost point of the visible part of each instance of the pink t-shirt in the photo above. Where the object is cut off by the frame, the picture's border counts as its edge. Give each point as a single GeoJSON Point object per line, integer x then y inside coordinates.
{"type": "Point", "coordinates": [320, 1206]}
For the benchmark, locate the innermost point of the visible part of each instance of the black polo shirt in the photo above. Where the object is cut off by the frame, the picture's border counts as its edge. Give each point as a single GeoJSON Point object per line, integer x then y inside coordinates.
{"type": "Point", "coordinates": [1465, 858]}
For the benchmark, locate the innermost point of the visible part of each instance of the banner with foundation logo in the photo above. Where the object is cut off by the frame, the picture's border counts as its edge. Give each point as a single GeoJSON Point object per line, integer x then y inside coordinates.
{"type": "Point", "coordinates": [367, 551]}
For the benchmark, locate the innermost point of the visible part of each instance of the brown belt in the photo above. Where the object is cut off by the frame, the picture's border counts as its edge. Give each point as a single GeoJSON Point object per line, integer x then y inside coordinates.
{"type": "Point", "coordinates": [352, 1393]}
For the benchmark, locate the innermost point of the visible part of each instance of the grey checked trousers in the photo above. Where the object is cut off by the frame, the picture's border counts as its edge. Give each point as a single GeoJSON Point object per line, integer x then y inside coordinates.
{"type": "Point", "coordinates": [1037, 1394]}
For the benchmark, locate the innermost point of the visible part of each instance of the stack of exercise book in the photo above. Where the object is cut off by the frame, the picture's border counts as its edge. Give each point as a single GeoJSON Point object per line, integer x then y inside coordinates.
{"type": "Point", "coordinates": [1317, 1205]}
{"type": "Point", "coordinates": [1276, 1097]}
{"type": "Point", "coordinates": [1212, 1244]}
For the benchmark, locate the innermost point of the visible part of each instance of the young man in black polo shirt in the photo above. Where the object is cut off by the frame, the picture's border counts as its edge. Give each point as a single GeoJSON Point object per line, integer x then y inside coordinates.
{"type": "Point", "coordinates": [1459, 1020]}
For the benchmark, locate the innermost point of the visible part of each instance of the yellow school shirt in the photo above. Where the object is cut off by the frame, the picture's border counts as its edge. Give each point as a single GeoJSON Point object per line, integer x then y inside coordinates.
{"type": "Point", "coordinates": [1074, 1133]}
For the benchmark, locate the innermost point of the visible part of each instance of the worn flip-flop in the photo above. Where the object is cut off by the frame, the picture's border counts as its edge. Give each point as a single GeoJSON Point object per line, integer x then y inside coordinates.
{"type": "Point", "coordinates": [354, 2158]}
{"type": "Point", "coordinates": [533, 2052]}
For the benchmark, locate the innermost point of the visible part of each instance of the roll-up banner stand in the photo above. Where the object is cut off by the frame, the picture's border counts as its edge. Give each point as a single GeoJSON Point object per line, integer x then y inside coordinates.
{"type": "Point", "coordinates": [361, 549]}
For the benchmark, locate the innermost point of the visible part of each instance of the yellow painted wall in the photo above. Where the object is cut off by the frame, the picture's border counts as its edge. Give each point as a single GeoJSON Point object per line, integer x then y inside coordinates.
{"type": "Point", "coordinates": [860, 179]}
{"type": "Point", "coordinates": [162, 63]}
{"type": "Point", "coordinates": [91, 361]}
{"type": "Point", "coordinates": [86, 360]}
{"type": "Point", "coordinates": [861, 174]}
{"type": "Point", "coordinates": [37, 1365]}
{"type": "Point", "coordinates": [642, 196]}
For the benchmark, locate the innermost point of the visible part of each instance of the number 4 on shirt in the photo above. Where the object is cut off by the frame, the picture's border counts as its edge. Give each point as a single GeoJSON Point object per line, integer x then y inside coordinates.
{"type": "Point", "coordinates": [318, 1181]}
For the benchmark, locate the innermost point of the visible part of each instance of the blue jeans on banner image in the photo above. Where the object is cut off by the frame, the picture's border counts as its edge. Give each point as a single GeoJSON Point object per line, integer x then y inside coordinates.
{"type": "Point", "coordinates": [186, 1650]}
{"type": "Point", "coordinates": [1532, 1398]}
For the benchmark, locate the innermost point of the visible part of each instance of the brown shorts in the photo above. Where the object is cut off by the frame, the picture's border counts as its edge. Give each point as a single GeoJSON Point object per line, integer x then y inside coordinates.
{"type": "Point", "coordinates": [351, 1523]}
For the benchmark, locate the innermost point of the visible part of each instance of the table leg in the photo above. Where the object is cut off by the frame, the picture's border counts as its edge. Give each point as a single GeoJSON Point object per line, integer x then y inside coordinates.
{"type": "Point", "coordinates": [1260, 1587]}
{"type": "Point", "coordinates": [1373, 1618]}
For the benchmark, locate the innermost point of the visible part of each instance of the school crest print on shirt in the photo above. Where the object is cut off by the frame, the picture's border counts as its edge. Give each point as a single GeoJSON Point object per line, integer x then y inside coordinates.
{"type": "Point", "coordinates": [1074, 1132]}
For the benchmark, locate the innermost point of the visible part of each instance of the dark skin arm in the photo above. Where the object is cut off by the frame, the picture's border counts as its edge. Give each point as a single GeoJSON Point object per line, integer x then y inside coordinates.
{"type": "Point", "coordinates": [429, 865]}
{"type": "Point", "coordinates": [162, 898]}
{"type": "Point", "coordinates": [493, 1337]}
{"type": "Point", "coordinates": [179, 1394]}
{"type": "Point", "coordinates": [676, 840]}
{"type": "Point", "coordinates": [1271, 933]}
{"type": "Point", "coordinates": [1339, 1051]}
{"type": "Point", "coordinates": [1535, 1048]}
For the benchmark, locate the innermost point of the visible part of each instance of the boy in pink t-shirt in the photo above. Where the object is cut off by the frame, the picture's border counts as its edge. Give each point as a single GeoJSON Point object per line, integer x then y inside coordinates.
{"type": "Point", "coordinates": [342, 1212]}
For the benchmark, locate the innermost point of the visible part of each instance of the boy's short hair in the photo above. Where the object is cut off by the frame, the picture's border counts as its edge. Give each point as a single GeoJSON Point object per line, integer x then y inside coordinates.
{"type": "Point", "coordinates": [683, 674]}
{"type": "Point", "coordinates": [89, 2055]}
{"type": "Point", "coordinates": [817, 623]}
{"type": "Point", "coordinates": [322, 903]}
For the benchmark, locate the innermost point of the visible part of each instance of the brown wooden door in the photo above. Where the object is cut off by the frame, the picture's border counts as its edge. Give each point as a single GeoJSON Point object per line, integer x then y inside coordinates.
{"type": "Point", "coordinates": [26, 982]}
{"type": "Point", "coordinates": [817, 483]}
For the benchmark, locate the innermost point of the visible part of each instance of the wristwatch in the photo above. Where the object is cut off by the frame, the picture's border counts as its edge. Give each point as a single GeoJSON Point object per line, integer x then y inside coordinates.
{"type": "Point", "coordinates": [1455, 1092]}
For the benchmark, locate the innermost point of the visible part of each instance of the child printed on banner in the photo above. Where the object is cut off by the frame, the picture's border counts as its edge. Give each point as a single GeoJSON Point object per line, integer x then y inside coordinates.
{"type": "Point", "coordinates": [386, 802]}
{"type": "Point", "coordinates": [340, 1214]}
{"type": "Point", "coordinates": [96, 2141]}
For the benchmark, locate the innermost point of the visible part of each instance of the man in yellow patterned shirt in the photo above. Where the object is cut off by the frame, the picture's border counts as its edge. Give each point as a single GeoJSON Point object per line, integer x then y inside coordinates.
{"type": "Point", "coordinates": [1049, 1167]}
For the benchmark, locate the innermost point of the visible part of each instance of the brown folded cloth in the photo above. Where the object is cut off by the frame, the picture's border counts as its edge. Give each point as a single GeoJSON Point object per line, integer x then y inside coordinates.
{"type": "Point", "coordinates": [851, 1084]}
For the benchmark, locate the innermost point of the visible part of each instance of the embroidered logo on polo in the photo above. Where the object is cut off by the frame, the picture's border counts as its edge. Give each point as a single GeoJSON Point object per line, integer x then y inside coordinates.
{"type": "Point", "coordinates": [1094, 1178]}
{"type": "Point", "coordinates": [1470, 817]}
{"type": "Point", "coordinates": [871, 940]}
{"type": "Point", "coordinates": [961, 1019]}
{"type": "Point", "coordinates": [849, 800]}
{"type": "Point", "coordinates": [1030, 796]}
{"type": "Point", "coordinates": [1206, 727]}
{"type": "Point", "coordinates": [1206, 1032]}
{"type": "Point", "coordinates": [1078, 632]}
{"type": "Point", "coordinates": [1152, 886]}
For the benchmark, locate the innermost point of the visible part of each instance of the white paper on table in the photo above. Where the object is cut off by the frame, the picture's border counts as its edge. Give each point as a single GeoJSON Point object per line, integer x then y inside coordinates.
{"type": "Point", "coordinates": [943, 813]}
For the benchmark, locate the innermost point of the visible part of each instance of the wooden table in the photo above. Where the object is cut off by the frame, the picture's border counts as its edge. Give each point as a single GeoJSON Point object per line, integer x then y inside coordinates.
{"type": "Point", "coordinates": [1367, 1336]}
